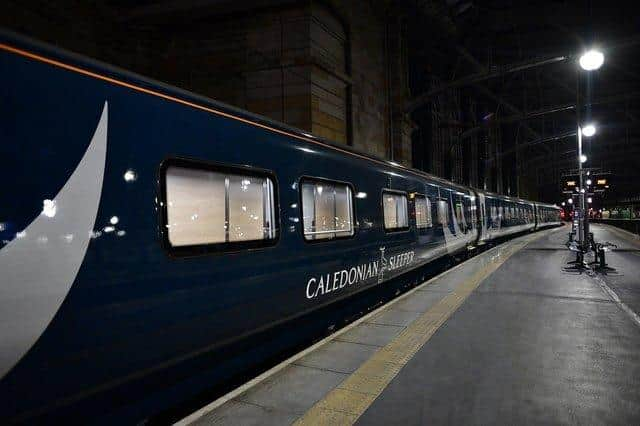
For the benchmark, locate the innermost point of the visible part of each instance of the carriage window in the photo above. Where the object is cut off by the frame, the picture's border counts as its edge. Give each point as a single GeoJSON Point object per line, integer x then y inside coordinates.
{"type": "Point", "coordinates": [423, 212]}
{"type": "Point", "coordinates": [210, 207]}
{"type": "Point", "coordinates": [443, 213]}
{"type": "Point", "coordinates": [395, 211]}
{"type": "Point", "coordinates": [327, 210]}
{"type": "Point", "coordinates": [459, 214]}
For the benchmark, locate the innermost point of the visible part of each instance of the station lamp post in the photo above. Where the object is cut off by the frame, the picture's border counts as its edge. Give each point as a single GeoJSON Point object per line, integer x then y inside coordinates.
{"type": "Point", "coordinates": [590, 60]}
{"type": "Point", "coordinates": [587, 131]}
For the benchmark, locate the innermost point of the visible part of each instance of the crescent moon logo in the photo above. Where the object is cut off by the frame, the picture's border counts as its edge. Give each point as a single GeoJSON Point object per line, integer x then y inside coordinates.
{"type": "Point", "coordinates": [40, 265]}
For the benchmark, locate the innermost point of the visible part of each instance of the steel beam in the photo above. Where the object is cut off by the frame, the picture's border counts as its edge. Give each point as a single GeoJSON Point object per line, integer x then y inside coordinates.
{"type": "Point", "coordinates": [472, 79]}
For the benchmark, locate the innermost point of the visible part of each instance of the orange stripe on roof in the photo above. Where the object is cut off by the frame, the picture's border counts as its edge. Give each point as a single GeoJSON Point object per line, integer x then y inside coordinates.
{"type": "Point", "coordinates": [121, 83]}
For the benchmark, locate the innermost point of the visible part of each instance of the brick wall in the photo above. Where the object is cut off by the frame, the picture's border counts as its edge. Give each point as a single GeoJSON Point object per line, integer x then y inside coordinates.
{"type": "Point", "coordinates": [336, 69]}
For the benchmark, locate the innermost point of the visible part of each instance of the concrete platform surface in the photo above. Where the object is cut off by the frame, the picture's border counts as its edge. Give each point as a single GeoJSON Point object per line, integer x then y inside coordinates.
{"type": "Point", "coordinates": [507, 337]}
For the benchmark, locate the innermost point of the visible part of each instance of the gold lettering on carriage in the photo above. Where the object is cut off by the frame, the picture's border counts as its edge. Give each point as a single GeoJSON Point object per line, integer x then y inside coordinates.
{"type": "Point", "coordinates": [359, 274]}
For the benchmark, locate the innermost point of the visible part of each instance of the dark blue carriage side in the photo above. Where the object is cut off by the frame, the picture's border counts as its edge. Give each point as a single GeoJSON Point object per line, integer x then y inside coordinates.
{"type": "Point", "coordinates": [547, 215]}
{"type": "Point", "coordinates": [135, 316]}
{"type": "Point", "coordinates": [504, 216]}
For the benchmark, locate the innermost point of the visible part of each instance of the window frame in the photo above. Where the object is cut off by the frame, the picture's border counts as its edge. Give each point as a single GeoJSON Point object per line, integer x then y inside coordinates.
{"type": "Point", "coordinates": [447, 203]}
{"type": "Point", "coordinates": [218, 247]}
{"type": "Point", "coordinates": [415, 212]}
{"type": "Point", "coordinates": [354, 220]}
{"type": "Point", "coordinates": [384, 226]}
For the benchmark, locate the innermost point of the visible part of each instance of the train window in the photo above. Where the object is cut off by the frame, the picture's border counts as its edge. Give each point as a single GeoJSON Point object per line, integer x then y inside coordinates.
{"type": "Point", "coordinates": [443, 213]}
{"type": "Point", "coordinates": [395, 211]}
{"type": "Point", "coordinates": [327, 209]}
{"type": "Point", "coordinates": [423, 212]}
{"type": "Point", "coordinates": [459, 214]}
{"type": "Point", "coordinates": [208, 205]}
{"type": "Point", "coordinates": [250, 208]}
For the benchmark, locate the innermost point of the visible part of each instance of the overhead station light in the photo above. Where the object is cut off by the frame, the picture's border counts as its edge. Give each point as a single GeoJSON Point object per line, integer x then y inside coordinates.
{"type": "Point", "coordinates": [583, 158]}
{"type": "Point", "coordinates": [589, 130]}
{"type": "Point", "coordinates": [570, 201]}
{"type": "Point", "coordinates": [591, 60]}
{"type": "Point", "coordinates": [571, 183]}
{"type": "Point", "coordinates": [601, 181]}
{"type": "Point", "coordinates": [588, 181]}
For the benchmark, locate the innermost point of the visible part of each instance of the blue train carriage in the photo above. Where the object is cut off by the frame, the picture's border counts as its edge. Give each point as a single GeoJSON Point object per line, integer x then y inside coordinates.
{"type": "Point", "coordinates": [503, 216]}
{"type": "Point", "coordinates": [547, 215]}
{"type": "Point", "coordinates": [152, 234]}
{"type": "Point", "coordinates": [148, 227]}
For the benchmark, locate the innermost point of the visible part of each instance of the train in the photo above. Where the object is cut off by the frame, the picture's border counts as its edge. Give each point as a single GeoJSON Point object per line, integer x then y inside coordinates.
{"type": "Point", "coordinates": [149, 236]}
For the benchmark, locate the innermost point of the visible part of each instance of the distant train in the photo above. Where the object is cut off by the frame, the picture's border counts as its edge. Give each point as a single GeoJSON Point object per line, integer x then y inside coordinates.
{"type": "Point", "coordinates": [144, 230]}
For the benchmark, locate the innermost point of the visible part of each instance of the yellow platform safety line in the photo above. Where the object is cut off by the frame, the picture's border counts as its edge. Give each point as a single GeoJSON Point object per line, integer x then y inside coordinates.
{"type": "Point", "coordinates": [347, 402]}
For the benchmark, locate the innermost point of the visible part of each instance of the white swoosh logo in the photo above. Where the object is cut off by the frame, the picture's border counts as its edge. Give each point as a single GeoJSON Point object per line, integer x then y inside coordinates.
{"type": "Point", "coordinates": [38, 269]}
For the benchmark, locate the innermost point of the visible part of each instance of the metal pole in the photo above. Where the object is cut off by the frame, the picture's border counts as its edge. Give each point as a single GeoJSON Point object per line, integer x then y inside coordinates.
{"type": "Point", "coordinates": [581, 211]}
{"type": "Point", "coordinates": [580, 208]}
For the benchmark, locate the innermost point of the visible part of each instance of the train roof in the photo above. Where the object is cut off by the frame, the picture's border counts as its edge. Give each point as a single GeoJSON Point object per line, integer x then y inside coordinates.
{"type": "Point", "coordinates": [92, 67]}
{"type": "Point", "coordinates": [504, 197]}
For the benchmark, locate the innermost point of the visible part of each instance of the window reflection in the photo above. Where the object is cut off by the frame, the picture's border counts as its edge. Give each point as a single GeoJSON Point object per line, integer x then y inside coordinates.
{"type": "Point", "coordinates": [395, 210]}
{"type": "Point", "coordinates": [206, 207]}
{"type": "Point", "coordinates": [327, 210]}
{"type": "Point", "coordinates": [423, 212]}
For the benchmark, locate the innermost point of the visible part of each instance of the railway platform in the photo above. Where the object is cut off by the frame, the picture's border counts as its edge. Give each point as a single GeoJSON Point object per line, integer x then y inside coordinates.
{"type": "Point", "coordinates": [510, 336]}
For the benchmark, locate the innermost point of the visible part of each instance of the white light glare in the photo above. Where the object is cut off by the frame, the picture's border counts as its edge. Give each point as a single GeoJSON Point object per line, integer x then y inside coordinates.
{"type": "Point", "coordinates": [588, 181]}
{"type": "Point", "coordinates": [591, 60]}
{"type": "Point", "coordinates": [589, 200]}
{"type": "Point", "coordinates": [130, 176]}
{"type": "Point", "coordinates": [589, 130]}
{"type": "Point", "coordinates": [570, 201]}
{"type": "Point", "coordinates": [49, 208]}
{"type": "Point", "coordinates": [563, 204]}
{"type": "Point", "coordinates": [583, 158]}
{"type": "Point", "coordinates": [582, 190]}
{"type": "Point", "coordinates": [114, 220]}
{"type": "Point", "coordinates": [361, 195]}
